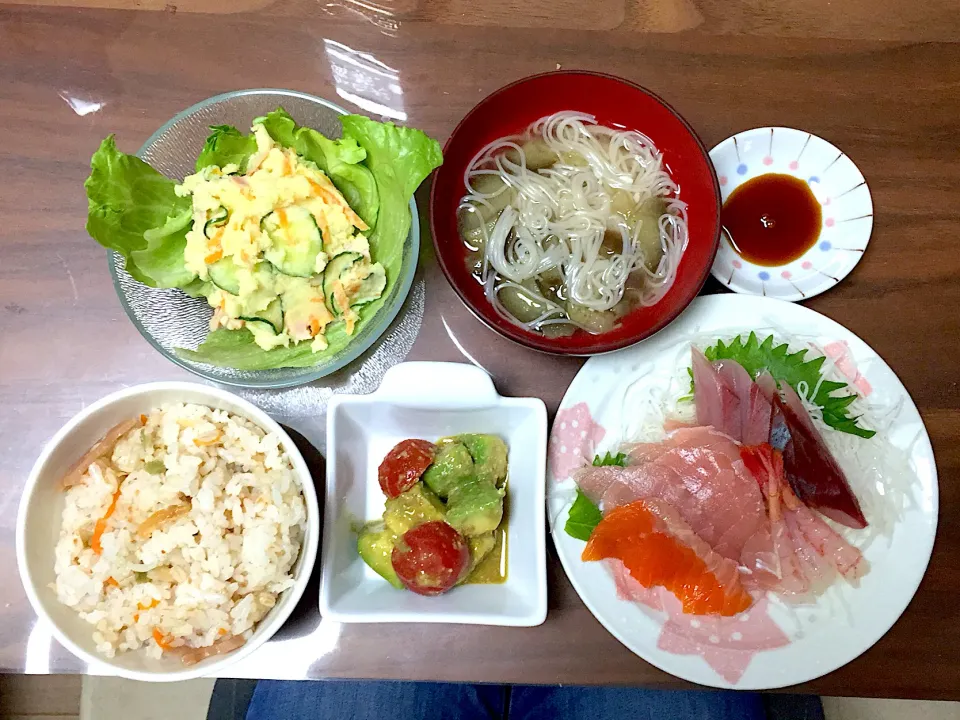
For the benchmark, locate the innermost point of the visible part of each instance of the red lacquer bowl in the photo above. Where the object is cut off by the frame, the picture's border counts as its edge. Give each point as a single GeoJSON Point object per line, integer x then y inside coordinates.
{"type": "Point", "coordinates": [614, 102]}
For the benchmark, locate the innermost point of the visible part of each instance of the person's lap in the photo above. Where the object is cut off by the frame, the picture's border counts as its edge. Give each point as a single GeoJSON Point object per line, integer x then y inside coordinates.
{"type": "Point", "coordinates": [363, 700]}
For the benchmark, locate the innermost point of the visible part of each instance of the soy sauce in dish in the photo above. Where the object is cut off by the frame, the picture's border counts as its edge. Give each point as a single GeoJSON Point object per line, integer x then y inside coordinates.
{"type": "Point", "coordinates": [772, 219]}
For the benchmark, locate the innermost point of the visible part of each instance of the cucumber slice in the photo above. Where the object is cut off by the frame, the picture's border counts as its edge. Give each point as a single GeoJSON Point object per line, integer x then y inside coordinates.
{"type": "Point", "coordinates": [335, 268]}
{"type": "Point", "coordinates": [372, 286]}
{"type": "Point", "coordinates": [296, 241]}
{"type": "Point", "coordinates": [223, 274]}
{"type": "Point", "coordinates": [217, 220]}
{"type": "Point", "coordinates": [272, 315]}
{"type": "Point", "coordinates": [265, 336]}
{"type": "Point", "coordinates": [260, 326]}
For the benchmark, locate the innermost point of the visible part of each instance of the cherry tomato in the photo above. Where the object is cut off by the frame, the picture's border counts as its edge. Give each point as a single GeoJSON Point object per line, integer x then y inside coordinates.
{"type": "Point", "coordinates": [431, 558]}
{"type": "Point", "coordinates": [404, 465]}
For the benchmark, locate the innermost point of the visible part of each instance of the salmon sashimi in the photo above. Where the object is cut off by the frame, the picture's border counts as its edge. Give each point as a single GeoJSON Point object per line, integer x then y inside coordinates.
{"type": "Point", "coordinates": [699, 472]}
{"type": "Point", "coordinates": [659, 549]}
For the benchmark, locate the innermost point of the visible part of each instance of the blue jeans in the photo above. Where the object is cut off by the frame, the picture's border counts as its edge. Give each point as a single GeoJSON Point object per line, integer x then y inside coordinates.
{"type": "Point", "coordinates": [373, 700]}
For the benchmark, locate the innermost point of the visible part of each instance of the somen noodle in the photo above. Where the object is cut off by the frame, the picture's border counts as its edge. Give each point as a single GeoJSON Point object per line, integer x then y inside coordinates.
{"type": "Point", "coordinates": [572, 224]}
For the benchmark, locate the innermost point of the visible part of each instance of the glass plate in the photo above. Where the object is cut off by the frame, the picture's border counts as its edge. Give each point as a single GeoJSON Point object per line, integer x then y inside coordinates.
{"type": "Point", "coordinates": [170, 319]}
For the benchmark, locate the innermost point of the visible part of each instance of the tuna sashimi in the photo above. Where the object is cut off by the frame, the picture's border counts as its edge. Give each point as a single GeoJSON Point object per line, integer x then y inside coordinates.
{"type": "Point", "coordinates": [811, 469]}
{"type": "Point", "coordinates": [659, 549]}
{"type": "Point", "coordinates": [699, 472]}
{"type": "Point", "coordinates": [687, 436]}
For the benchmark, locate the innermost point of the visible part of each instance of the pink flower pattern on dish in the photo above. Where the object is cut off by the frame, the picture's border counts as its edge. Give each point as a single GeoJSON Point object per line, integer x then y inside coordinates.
{"type": "Point", "coordinates": [727, 644]}
{"type": "Point", "coordinates": [573, 441]}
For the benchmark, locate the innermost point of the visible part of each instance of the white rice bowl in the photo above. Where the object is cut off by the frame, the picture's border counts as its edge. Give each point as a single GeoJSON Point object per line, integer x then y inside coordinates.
{"type": "Point", "coordinates": [211, 539]}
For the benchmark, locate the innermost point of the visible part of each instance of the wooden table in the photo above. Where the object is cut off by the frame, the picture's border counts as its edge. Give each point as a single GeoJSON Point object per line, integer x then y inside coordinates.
{"type": "Point", "coordinates": [879, 78]}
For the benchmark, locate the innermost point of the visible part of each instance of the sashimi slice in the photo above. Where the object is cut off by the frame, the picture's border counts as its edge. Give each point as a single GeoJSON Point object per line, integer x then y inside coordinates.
{"type": "Point", "coordinates": [818, 552]}
{"type": "Point", "coordinates": [595, 481]}
{"type": "Point", "coordinates": [767, 384]}
{"type": "Point", "coordinates": [785, 575]}
{"type": "Point", "coordinates": [753, 422]}
{"type": "Point", "coordinates": [715, 397]}
{"type": "Point", "coordinates": [699, 472]}
{"type": "Point", "coordinates": [818, 571]}
{"type": "Point", "coordinates": [701, 436]}
{"type": "Point", "coordinates": [658, 548]}
{"type": "Point", "coordinates": [769, 558]}
{"type": "Point", "coordinates": [811, 469]}
{"type": "Point", "coordinates": [827, 543]}
{"type": "Point", "coordinates": [755, 417]}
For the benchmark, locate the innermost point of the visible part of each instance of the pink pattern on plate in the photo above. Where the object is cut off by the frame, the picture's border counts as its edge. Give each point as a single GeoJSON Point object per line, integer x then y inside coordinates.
{"type": "Point", "coordinates": [728, 644]}
{"type": "Point", "coordinates": [839, 352]}
{"type": "Point", "coordinates": [573, 441]}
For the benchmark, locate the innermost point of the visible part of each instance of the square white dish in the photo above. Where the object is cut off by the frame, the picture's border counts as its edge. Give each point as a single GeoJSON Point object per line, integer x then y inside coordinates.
{"type": "Point", "coordinates": [430, 400]}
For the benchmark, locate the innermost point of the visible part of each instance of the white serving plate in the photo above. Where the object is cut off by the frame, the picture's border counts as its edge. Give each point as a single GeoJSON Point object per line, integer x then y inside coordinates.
{"type": "Point", "coordinates": [38, 528]}
{"type": "Point", "coordinates": [430, 400]}
{"type": "Point", "coordinates": [836, 183]}
{"type": "Point", "coordinates": [821, 637]}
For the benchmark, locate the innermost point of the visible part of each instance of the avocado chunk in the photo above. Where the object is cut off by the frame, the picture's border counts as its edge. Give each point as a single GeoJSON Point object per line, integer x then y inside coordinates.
{"type": "Point", "coordinates": [450, 467]}
{"type": "Point", "coordinates": [414, 507]}
{"type": "Point", "coordinates": [480, 547]}
{"type": "Point", "coordinates": [489, 455]}
{"type": "Point", "coordinates": [475, 506]}
{"type": "Point", "coordinates": [375, 546]}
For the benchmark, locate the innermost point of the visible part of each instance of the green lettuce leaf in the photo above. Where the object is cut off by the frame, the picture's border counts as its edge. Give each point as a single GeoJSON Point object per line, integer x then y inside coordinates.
{"type": "Point", "coordinates": [399, 159]}
{"type": "Point", "coordinates": [339, 159]}
{"type": "Point", "coordinates": [226, 145]}
{"type": "Point", "coordinates": [127, 198]}
{"type": "Point", "coordinates": [584, 516]}
{"type": "Point", "coordinates": [794, 369]}
{"type": "Point", "coordinates": [237, 349]}
{"type": "Point", "coordinates": [162, 259]}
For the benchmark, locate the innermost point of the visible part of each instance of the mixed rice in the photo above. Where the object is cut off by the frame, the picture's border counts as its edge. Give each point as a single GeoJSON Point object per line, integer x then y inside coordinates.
{"type": "Point", "coordinates": [179, 532]}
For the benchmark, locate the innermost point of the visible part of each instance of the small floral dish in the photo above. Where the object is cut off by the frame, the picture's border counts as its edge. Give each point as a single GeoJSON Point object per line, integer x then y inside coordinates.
{"type": "Point", "coordinates": [836, 183]}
